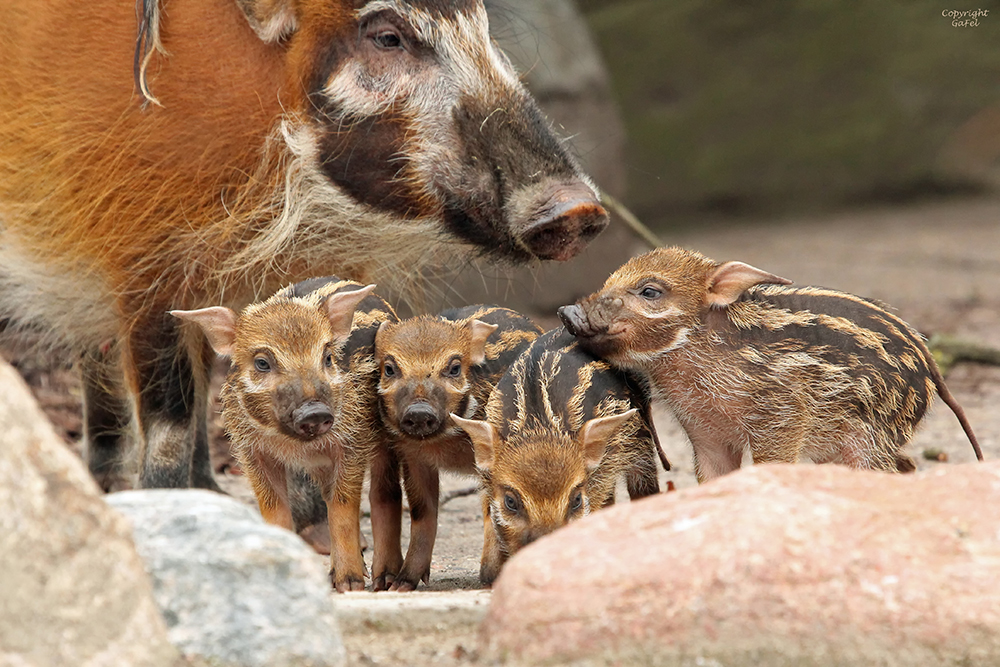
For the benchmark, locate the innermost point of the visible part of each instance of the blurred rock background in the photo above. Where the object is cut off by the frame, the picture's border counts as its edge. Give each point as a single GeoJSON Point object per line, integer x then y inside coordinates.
{"type": "Point", "coordinates": [693, 111]}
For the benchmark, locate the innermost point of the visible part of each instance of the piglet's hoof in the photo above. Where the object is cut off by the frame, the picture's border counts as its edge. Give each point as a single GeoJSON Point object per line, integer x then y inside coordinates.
{"type": "Point", "coordinates": [383, 582]}
{"type": "Point", "coordinates": [348, 584]}
{"type": "Point", "coordinates": [318, 537]}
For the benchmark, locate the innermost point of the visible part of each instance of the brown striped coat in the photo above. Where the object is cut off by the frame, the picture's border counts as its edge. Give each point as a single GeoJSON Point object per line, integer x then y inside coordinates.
{"type": "Point", "coordinates": [748, 362]}
{"type": "Point", "coordinates": [561, 428]}
{"type": "Point", "coordinates": [432, 366]}
{"type": "Point", "coordinates": [300, 396]}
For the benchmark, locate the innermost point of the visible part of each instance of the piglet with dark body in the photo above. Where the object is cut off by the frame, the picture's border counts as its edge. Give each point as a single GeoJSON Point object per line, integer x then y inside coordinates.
{"type": "Point", "coordinates": [431, 367]}
{"type": "Point", "coordinates": [746, 361]}
{"type": "Point", "coordinates": [561, 428]}
{"type": "Point", "coordinates": [300, 395]}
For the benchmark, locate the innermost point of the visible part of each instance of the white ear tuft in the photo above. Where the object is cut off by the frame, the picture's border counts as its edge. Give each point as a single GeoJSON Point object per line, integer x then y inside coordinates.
{"type": "Point", "coordinates": [270, 19]}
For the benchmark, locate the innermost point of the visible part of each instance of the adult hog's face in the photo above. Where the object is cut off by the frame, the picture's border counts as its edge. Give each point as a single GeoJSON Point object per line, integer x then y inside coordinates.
{"type": "Point", "coordinates": [415, 114]}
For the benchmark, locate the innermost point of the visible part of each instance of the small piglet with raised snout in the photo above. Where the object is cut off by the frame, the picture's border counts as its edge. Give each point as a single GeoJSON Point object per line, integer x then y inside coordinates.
{"type": "Point", "coordinates": [561, 428]}
{"type": "Point", "coordinates": [431, 367]}
{"type": "Point", "coordinates": [746, 361]}
{"type": "Point", "coordinates": [300, 395]}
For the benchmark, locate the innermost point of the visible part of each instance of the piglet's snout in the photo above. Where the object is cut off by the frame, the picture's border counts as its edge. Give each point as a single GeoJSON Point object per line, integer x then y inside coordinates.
{"type": "Point", "coordinates": [312, 419]}
{"type": "Point", "coordinates": [420, 420]}
{"type": "Point", "coordinates": [577, 323]}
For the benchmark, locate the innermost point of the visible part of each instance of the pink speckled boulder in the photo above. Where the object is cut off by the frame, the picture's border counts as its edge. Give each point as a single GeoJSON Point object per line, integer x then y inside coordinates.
{"type": "Point", "coordinates": [771, 565]}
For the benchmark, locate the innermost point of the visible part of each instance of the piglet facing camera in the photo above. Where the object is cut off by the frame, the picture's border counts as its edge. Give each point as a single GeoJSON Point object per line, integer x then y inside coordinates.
{"type": "Point", "coordinates": [431, 366]}
{"type": "Point", "coordinates": [300, 395]}
{"type": "Point", "coordinates": [745, 361]}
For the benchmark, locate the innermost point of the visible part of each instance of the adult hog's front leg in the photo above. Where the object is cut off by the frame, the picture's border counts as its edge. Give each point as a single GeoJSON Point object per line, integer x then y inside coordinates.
{"type": "Point", "coordinates": [106, 419]}
{"type": "Point", "coordinates": [168, 369]}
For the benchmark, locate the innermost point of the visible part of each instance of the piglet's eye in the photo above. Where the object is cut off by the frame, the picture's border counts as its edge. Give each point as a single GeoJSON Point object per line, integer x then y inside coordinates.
{"type": "Point", "coordinates": [389, 370]}
{"type": "Point", "coordinates": [328, 360]}
{"type": "Point", "coordinates": [576, 502]}
{"type": "Point", "coordinates": [649, 292]}
{"type": "Point", "coordinates": [455, 369]}
{"type": "Point", "coordinates": [511, 503]}
{"type": "Point", "coordinates": [261, 365]}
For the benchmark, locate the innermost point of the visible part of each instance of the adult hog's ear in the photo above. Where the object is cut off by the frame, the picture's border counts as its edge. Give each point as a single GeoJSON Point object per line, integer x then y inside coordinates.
{"type": "Point", "coordinates": [483, 436]}
{"type": "Point", "coordinates": [218, 323]}
{"type": "Point", "coordinates": [479, 331]}
{"type": "Point", "coordinates": [270, 19]}
{"type": "Point", "coordinates": [727, 282]}
{"type": "Point", "coordinates": [340, 309]}
{"type": "Point", "coordinates": [595, 434]}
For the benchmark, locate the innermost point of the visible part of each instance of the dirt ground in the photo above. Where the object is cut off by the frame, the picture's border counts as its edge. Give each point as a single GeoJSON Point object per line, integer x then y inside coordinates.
{"type": "Point", "coordinates": [937, 263]}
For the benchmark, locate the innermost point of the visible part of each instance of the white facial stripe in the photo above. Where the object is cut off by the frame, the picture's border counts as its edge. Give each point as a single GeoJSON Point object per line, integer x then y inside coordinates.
{"type": "Point", "coordinates": [672, 311]}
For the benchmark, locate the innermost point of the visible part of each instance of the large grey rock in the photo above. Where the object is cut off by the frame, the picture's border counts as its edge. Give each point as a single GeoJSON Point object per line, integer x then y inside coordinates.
{"type": "Point", "coordinates": [772, 565]}
{"type": "Point", "coordinates": [233, 590]}
{"type": "Point", "coordinates": [72, 588]}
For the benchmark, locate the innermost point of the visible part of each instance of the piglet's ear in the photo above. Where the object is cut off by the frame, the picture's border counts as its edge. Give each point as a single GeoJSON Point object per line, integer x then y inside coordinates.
{"type": "Point", "coordinates": [730, 280]}
{"type": "Point", "coordinates": [340, 309]}
{"type": "Point", "coordinates": [595, 434]}
{"type": "Point", "coordinates": [483, 436]}
{"type": "Point", "coordinates": [218, 323]}
{"type": "Point", "coordinates": [480, 331]}
{"type": "Point", "coordinates": [270, 19]}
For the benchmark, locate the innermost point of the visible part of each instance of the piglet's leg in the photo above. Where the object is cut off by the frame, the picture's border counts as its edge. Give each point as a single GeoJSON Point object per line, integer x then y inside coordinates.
{"type": "Point", "coordinates": [342, 493]}
{"type": "Point", "coordinates": [711, 461]}
{"type": "Point", "coordinates": [269, 481]}
{"type": "Point", "coordinates": [386, 498]}
{"type": "Point", "coordinates": [492, 560]}
{"type": "Point", "coordinates": [422, 488]}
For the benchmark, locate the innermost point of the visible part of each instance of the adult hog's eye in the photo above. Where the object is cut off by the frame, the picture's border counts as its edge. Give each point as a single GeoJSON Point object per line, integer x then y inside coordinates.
{"type": "Point", "coordinates": [261, 365]}
{"type": "Point", "coordinates": [511, 503]}
{"type": "Point", "coordinates": [576, 502]}
{"type": "Point", "coordinates": [387, 39]}
{"type": "Point", "coordinates": [650, 293]}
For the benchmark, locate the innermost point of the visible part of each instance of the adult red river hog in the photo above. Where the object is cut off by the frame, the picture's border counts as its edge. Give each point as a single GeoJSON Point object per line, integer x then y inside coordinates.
{"type": "Point", "coordinates": [182, 154]}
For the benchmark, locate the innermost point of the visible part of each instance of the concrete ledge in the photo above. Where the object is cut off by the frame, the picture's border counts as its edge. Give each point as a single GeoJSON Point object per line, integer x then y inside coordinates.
{"type": "Point", "coordinates": [363, 612]}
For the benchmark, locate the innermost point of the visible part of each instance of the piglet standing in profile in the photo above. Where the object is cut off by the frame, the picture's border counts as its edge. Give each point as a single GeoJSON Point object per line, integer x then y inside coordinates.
{"type": "Point", "coordinates": [300, 395]}
{"type": "Point", "coordinates": [561, 428]}
{"type": "Point", "coordinates": [748, 362]}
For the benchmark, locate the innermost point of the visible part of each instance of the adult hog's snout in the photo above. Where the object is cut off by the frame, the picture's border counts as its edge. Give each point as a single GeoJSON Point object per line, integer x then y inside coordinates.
{"type": "Point", "coordinates": [311, 419]}
{"type": "Point", "coordinates": [420, 420]}
{"type": "Point", "coordinates": [560, 221]}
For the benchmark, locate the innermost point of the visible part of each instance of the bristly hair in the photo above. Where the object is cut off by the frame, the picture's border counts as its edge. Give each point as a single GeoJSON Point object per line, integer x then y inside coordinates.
{"type": "Point", "coordinates": [147, 42]}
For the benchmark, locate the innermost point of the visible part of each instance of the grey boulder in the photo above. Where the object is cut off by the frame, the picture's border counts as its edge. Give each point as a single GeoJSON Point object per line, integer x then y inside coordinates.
{"type": "Point", "coordinates": [233, 590]}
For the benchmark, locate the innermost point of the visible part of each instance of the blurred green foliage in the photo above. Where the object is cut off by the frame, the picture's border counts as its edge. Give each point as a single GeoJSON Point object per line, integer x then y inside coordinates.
{"type": "Point", "coordinates": [767, 107]}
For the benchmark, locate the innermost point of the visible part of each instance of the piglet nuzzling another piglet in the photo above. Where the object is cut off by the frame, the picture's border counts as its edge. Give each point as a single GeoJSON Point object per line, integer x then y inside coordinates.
{"type": "Point", "coordinates": [747, 361]}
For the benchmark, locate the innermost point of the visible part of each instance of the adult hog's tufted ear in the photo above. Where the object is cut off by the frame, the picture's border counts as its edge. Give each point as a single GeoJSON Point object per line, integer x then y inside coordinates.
{"type": "Point", "coordinates": [270, 19]}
